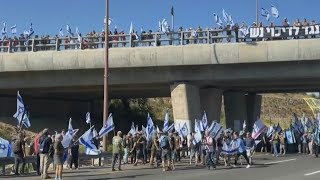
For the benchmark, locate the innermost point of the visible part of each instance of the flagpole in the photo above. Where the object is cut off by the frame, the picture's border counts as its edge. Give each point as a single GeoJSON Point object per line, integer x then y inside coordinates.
{"type": "Point", "coordinates": [257, 11]}
{"type": "Point", "coordinates": [106, 66]}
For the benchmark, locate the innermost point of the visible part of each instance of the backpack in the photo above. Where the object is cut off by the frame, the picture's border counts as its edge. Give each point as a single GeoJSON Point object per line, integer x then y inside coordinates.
{"type": "Point", "coordinates": [16, 146]}
{"type": "Point", "coordinates": [44, 145]}
{"type": "Point", "coordinates": [164, 143]}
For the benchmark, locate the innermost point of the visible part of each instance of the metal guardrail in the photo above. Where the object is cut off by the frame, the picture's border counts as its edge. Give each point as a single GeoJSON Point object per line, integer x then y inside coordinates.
{"type": "Point", "coordinates": [33, 159]}
{"type": "Point", "coordinates": [129, 40]}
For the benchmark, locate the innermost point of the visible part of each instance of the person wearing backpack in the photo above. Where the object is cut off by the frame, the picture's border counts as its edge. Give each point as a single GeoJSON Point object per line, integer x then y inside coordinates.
{"type": "Point", "coordinates": [45, 144]}
{"type": "Point", "coordinates": [19, 153]}
{"type": "Point", "coordinates": [166, 151]}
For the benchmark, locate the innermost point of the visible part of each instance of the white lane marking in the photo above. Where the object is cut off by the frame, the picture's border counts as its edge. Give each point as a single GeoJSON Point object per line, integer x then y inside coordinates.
{"type": "Point", "coordinates": [316, 172]}
{"type": "Point", "coordinates": [276, 162]}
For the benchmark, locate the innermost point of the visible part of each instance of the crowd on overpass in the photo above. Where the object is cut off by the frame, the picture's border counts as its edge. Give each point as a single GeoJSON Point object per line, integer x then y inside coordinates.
{"type": "Point", "coordinates": [237, 32]}
{"type": "Point", "coordinates": [206, 146]}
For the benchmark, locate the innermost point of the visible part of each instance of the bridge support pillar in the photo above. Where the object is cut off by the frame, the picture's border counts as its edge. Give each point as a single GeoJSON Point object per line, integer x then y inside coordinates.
{"type": "Point", "coordinates": [253, 109]}
{"type": "Point", "coordinates": [211, 100]}
{"type": "Point", "coordinates": [185, 103]}
{"type": "Point", "coordinates": [240, 107]}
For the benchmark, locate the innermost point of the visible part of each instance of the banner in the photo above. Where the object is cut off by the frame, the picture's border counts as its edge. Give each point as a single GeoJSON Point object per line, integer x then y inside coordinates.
{"type": "Point", "coordinates": [279, 32]}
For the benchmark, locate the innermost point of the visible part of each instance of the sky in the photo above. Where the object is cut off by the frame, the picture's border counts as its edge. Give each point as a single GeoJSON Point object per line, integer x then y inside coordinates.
{"type": "Point", "coordinates": [48, 16]}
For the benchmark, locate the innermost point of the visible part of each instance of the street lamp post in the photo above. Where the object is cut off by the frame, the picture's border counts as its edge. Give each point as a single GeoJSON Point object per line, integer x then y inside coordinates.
{"type": "Point", "coordinates": [257, 12]}
{"type": "Point", "coordinates": [106, 66]}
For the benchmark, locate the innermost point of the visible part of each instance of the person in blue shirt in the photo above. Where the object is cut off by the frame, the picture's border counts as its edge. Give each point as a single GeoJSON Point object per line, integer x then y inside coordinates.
{"type": "Point", "coordinates": [241, 150]}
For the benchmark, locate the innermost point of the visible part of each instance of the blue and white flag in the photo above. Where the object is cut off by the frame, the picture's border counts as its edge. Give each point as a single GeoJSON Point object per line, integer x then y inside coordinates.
{"type": "Point", "coordinates": [170, 128]}
{"type": "Point", "coordinates": [164, 26]}
{"type": "Point", "coordinates": [19, 115]}
{"type": "Point", "coordinates": [218, 20]}
{"type": "Point", "coordinates": [132, 130]}
{"type": "Point", "coordinates": [225, 16]}
{"type": "Point", "coordinates": [197, 126]}
{"type": "Point", "coordinates": [150, 127]}
{"type": "Point", "coordinates": [265, 13]}
{"type": "Point", "coordinates": [26, 120]}
{"type": "Point", "coordinates": [183, 131]}
{"type": "Point", "coordinates": [110, 21]}
{"type": "Point", "coordinates": [87, 142]}
{"type": "Point", "coordinates": [308, 124]}
{"type": "Point", "coordinates": [215, 130]}
{"type": "Point", "coordinates": [290, 137]}
{"type": "Point", "coordinates": [231, 21]}
{"type": "Point", "coordinates": [316, 135]}
{"type": "Point", "coordinates": [108, 127]}
{"type": "Point", "coordinates": [278, 129]}
{"type": "Point", "coordinates": [197, 138]}
{"type": "Point", "coordinates": [67, 138]}
{"type": "Point", "coordinates": [204, 121]}
{"type": "Point", "coordinates": [270, 131]}
{"type": "Point", "coordinates": [88, 118]}
{"type": "Point", "coordinates": [4, 29]}
{"type": "Point", "coordinates": [131, 31]}
{"type": "Point", "coordinates": [297, 125]}
{"type": "Point", "coordinates": [5, 148]}
{"type": "Point", "coordinates": [69, 29]}
{"type": "Point", "coordinates": [244, 125]}
{"type": "Point", "coordinates": [258, 128]}
{"type": "Point", "coordinates": [166, 121]}
{"type": "Point", "coordinates": [31, 30]}
{"type": "Point", "coordinates": [274, 11]}
{"type": "Point", "coordinates": [230, 149]}
{"type": "Point", "coordinates": [60, 32]}
{"type": "Point", "coordinates": [13, 29]}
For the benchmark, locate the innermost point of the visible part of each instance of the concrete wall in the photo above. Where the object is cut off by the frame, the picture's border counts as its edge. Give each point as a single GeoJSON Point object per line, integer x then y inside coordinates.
{"type": "Point", "coordinates": [227, 53]}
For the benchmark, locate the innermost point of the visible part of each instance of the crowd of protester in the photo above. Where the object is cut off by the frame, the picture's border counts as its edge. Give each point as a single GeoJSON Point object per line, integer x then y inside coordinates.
{"type": "Point", "coordinates": [94, 39]}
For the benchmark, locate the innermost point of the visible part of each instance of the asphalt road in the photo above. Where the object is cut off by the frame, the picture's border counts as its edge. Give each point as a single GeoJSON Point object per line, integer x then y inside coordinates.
{"type": "Point", "coordinates": [290, 167]}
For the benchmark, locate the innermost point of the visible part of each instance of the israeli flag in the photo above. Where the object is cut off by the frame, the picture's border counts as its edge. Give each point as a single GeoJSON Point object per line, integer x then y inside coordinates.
{"type": "Point", "coordinates": [4, 29]}
{"type": "Point", "coordinates": [218, 20]}
{"type": "Point", "coordinates": [132, 130]}
{"type": "Point", "coordinates": [31, 31]}
{"type": "Point", "coordinates": [308, 124]}
{"type": "Point", "coordinates": [94, 133]}
{"type": "Point", "coordinates": [197, 138]}
{"type": "Point", "coordinates": [131, 31]}
{"type": "Point", "coordinates": [67, 138]}
{"type": "Point", "coordinates": [5, 148]}
{"type": "Point", "coordinates": [164, 26]}
{"type": "Point", "coordinates": [88, 118]}
{"type": "Point", "coordinates": [231, 148]}
{"type": "Point", "coordinates": [26, 120]}
{"type": "Point", "coordinates": [290, 137]}
{"type": "Point", "coordinates": [108, 127]}
{"type": "Point", "coordinates": [87, 142]}
{"type": "Point", "coordinates": [270, 131]}
{"type": "Point", "coordinates": [278, 129]}
{"type": "Point", "coordinates": [150, 127]}
{"type": "Point", "coordinates": [60, 32]}
{"type": "Point", "coordinates": [258, 128]}
{"type": "Point", "coordinates": [204, 120]}
{"type": "Point", "coordinates": [20, 109]}
{"type": "Point", "coordinates": [170, 128]}
{"type": "Point", "coordinates": [110, 21]}
{"type": "Point", "coordinates": [244, 125]}
{"type": "Point", "coordinates": [13, 29]}
{"type": "Point", "coordinates": [198, 126]}
{"type": "Point", "coordinates": [265, 13]}
{"type": "Point", "coordinates": [225, 16]}
{"type": "Point", "coordinates": [69, 29]}
{"type": "Point", "coordinates": [274, 11]}
{"type": "Point", "coordinates": [215, 130]}
{"type": "Point", "coordinates": [231, 21]}
{"type": "Point", "coordinates": [166, 121]}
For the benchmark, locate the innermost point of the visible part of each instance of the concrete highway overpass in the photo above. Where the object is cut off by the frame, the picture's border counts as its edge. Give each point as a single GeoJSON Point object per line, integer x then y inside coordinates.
{"type": "Point", "coordinates": [195, 76]}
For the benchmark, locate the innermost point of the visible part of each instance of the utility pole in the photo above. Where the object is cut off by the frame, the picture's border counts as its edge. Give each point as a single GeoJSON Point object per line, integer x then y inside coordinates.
{"type": "Point", "coordinates": [257, 12]}
{"type": "Point", "coordinates": [106, 67]}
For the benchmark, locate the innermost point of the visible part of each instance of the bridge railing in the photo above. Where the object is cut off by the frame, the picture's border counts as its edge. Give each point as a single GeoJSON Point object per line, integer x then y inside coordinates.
{"type": "Point", "coordinates": [125, 40]}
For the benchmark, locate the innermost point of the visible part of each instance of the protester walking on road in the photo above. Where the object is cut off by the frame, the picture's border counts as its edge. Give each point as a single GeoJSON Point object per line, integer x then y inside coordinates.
{"type": "Point", "coordinates": [18, 149]}
{"type": "Point", "coordinates": [58, 156]}
{"type": "Point", "coordinates": [166, 151]}
{"type": "Point", "coordinates": [117, 148]}
{"type": "Point", "coordinates": [209, 146]}
{"type": "Point", "coordinates": [241, 149]}
{"type": "Point", "coordinates": [45, 143]}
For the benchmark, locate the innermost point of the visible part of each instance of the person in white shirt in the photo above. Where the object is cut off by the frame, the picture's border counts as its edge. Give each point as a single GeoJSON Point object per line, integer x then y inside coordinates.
{"type": "Point", "coordinates": [210, 150]}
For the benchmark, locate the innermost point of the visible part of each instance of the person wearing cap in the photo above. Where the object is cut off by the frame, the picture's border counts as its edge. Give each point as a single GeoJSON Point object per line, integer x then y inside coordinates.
{"type": "Point", "coordinates": [45, 143]}
{"type": "Point", "coordinates": [117, 148]}
{"type": "Point", "coordinates": [58, 156]}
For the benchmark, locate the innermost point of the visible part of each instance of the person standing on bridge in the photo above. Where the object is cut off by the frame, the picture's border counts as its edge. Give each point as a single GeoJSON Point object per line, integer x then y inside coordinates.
{"type": "Point", "coordinates": [117, 148]}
